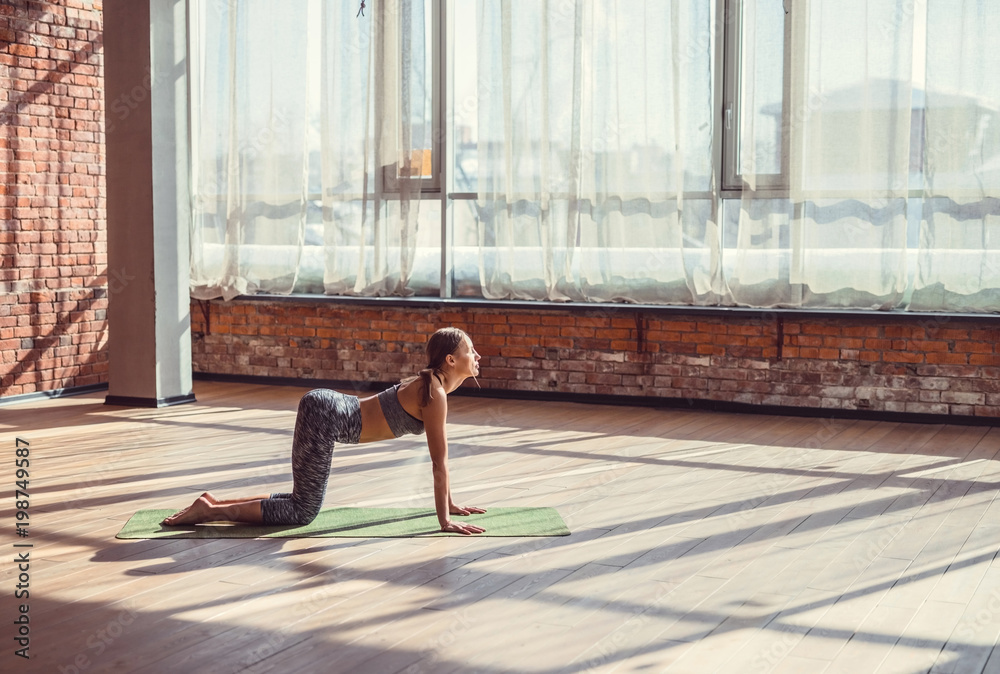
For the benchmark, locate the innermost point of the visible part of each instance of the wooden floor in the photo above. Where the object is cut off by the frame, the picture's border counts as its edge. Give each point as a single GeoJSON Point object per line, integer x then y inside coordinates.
{"type": "Point", "coordinates": [702, 542]}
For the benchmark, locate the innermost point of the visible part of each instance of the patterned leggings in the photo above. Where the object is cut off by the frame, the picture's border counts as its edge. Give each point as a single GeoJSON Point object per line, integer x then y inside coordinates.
{"type": "Point", "coordinates": [324, 417]}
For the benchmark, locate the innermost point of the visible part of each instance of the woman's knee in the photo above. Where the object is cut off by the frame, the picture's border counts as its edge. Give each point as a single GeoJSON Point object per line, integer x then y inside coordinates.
{"type": "Point", "coordinates": [288, 512]}
{"type": "Point", "coordinates": [305, 514]}
{"type": "Point", "coordinates": [314, 399]}
{"type": "Point", "coordinates": [305, 510]}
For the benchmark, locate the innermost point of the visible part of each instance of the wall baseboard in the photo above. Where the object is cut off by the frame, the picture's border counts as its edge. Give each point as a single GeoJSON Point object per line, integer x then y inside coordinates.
{"type": "Point", "coordinates": [55, 393]}
{"type": "Point", "coordinates": [131, 401]}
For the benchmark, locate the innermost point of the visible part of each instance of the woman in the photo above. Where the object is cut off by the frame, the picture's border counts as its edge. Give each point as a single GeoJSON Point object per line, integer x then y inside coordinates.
{"type": "Point", "coordinates": [413, 406]}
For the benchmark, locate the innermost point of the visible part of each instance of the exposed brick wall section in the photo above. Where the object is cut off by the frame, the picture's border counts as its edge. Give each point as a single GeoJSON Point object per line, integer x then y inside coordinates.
{"type": "Point", "coordinates": [53, 239]}
{"type": "Point", "coordinates": [946, 366]}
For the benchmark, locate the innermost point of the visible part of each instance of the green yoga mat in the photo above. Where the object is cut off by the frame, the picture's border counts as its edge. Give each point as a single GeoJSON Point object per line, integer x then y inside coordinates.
{"type": "Point", "coordinates": [357, 523]}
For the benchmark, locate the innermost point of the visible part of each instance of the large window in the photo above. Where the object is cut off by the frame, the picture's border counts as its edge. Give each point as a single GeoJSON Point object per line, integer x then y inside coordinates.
{"type": "Point", "coordinates": [766, 153]}
{"type": "Point", "coordinates": [856, 143]}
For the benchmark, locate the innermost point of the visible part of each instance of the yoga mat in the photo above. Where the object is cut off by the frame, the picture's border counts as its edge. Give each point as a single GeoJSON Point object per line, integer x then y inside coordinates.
{"type": "Point", "coordinates": [357, 523]}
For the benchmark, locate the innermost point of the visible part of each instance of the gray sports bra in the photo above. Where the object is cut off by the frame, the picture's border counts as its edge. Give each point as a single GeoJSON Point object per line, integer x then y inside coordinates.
{"type": "Point", "coordinates": [400, 421]}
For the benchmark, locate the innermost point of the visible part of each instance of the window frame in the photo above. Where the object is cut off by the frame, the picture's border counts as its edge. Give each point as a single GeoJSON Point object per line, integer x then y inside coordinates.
{"type": "Point", "coordinates": [391, 180]}
{"type": "Point", "coordinates": [731, 180]}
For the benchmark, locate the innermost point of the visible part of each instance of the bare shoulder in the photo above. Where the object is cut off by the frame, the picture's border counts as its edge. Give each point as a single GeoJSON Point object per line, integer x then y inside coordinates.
{"type": "Point", "coordinates": [437, 403]}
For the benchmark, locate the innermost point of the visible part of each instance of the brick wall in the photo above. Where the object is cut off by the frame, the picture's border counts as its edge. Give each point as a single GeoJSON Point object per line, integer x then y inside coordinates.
{"type": "Point", "coordinates": [53, 262]}
{"type": "Point", "coordinates": [940, 366]}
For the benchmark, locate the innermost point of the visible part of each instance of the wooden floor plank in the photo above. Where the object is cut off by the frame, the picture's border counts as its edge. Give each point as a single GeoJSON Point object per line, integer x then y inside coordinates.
{"type": "Point", "coordinates": [700, 542]}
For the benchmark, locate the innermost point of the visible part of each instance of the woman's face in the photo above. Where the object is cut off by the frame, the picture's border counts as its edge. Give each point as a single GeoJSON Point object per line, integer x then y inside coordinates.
{"type": "Point", "coordinates": [466, 359]}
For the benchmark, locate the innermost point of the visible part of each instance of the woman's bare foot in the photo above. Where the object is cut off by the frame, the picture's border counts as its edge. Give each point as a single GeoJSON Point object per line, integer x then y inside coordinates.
{"type": "Point", "coordinates": [233, 501]}
{"type": "Point", "coordinates": [201, 510]}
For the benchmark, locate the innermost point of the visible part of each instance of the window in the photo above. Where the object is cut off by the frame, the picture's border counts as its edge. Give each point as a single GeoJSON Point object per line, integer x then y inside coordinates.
{"type": "Point", "coordinates": [414, 97]}
{"type": "Point", "coordinates": [831, 154]}
{"type": "Point", "coordinates": [756, 98]}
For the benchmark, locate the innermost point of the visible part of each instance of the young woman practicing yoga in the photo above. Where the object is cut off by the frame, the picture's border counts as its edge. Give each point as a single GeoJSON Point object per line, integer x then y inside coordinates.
{"type": "Point", "coordinates": [324, 417]}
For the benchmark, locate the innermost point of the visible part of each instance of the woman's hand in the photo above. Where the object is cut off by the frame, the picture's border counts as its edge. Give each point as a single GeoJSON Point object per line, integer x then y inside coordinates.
{"type": "Point", "coordinates": [460, 528]}
{"type": "Point", "coordinates": [463, 510]}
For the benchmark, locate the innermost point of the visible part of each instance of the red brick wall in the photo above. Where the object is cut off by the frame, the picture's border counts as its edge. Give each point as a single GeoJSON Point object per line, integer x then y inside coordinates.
{"type": "Point", "coordinates": [53, 244]}
{"type": "Point", "coordinates": [947, 366]}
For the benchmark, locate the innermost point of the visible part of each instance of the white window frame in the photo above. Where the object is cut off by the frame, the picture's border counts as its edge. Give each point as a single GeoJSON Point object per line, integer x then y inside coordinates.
{"type": "Point", "coordinates": [392, 180]}
{"type": "Point", "coordinates": [732, 181]}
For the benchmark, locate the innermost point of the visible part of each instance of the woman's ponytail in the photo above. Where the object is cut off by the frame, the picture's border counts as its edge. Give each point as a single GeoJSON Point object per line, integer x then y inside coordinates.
{"type": "Point", "coordinates": [425, 394]}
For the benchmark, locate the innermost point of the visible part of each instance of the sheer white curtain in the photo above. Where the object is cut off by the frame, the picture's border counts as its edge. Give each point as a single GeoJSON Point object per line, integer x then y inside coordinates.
{"type": "Point", "coordinates": [868, 148]}
{"type": "Point", "coordinates": [959, 260]}
{"type": "Point", "coordinates": [883, 191]}
{"type": "Point", "coordinates": [842, 154]}
{"type": "Point", "coordinates": [595, 132]}
{"type": "Point", "coordinates": [375, 130]}
{"type": "Point", "coordinates": [249, 146]}
{"type": "Point", "coordinates": [311, 128]}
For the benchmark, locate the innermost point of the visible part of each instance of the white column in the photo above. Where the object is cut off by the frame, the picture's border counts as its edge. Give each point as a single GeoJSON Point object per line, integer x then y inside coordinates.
{"type": "Point", "coordinates": [145, 78]}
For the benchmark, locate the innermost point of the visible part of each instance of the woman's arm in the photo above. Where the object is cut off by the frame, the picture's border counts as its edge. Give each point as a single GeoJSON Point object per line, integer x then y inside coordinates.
{"type": "Point", "coordinates": [435, 417]}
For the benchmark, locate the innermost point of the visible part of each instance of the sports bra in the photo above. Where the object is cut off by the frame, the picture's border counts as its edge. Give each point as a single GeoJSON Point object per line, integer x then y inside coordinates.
{"type": "Point", "coordinates": [400, 421]}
